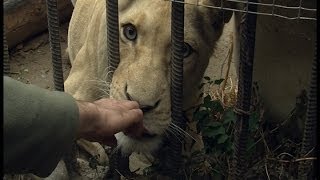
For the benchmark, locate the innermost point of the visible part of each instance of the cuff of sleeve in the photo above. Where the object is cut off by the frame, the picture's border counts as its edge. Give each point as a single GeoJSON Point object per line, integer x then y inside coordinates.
{"type": "Point", "coordinates": [39, 127]}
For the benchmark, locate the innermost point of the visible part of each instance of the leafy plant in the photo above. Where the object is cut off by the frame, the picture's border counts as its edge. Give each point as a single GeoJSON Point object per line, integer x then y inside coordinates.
{"type": "Point", "coordinates": [216, 124]}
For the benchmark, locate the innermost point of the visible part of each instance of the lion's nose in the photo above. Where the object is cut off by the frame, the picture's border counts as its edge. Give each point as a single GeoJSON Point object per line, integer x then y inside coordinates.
{"type": "Point", "coordinates": [144, 108]}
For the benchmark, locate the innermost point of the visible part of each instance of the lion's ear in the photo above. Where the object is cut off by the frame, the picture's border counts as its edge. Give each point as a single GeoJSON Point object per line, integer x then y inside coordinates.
{"type": "Point", "coordinates": [227, 14]}
{"type": "Point", "coordinates": [74, 2]}
{"type": "Point", "coordinates": [124, 4]}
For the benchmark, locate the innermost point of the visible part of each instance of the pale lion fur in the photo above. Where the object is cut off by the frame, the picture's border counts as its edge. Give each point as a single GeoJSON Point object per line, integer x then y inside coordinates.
{"type": "Point", "coordinates": [145, 63]}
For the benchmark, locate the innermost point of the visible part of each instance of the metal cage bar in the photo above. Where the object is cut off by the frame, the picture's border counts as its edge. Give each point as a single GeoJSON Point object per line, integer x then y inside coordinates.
{"type": "Point", "coordinates": [54, 39]}
{"type": "Point", "coordinates": [6, 62]}
{"type": "Point", "coordinates": [247, 47]}
{"type": "Point", "coordinates": [117, 160]}
{"type": "Point", "coordinates": [309, 136]}
{"type": "Point", "coordinates": [177, 41]}
{"type": "Point", "coordinates": [112, 37]}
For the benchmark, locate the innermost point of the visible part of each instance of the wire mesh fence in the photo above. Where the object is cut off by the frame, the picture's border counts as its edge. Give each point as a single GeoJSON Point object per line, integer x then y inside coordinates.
{"type": "Point", "coordinates": [287, 9]}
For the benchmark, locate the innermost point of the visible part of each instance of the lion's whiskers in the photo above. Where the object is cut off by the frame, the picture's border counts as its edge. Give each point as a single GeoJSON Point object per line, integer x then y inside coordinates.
{"type": "Point", "coordinates": [172, 132]}
{"type": "Point", "coordinates": [102, 86]}
{"type": "Point", "coordinates": [177, 128]}
{"type": "Point", "coordinates": [106, 72]}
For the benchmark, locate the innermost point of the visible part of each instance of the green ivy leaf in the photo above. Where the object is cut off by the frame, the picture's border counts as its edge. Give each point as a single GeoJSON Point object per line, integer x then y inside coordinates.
{"type": "Point", "coordinates": [217, 106]}
{"type": "Point", "coordinates": [200, 115]}
{"type": "Point", "coordinates": [213, 132]}
{"type": "Point", "coordinates": [207, 101]}
{"type": "Point", "coordinates": [219, 81]}
{"type": "Point", "coordinates": [212, 104]}
{"type": "Point", "coordinates": [222, 138]}
{"type": "Point", "coordinates": [229, 146]}
{"type": "Point", "coordinates": [215, 124]}
{"type": "Point", "coordinates": [217, 175]}
{"type": "Point", "coordinates": [218, 151]}
{"type": "Point", "coordinates": [229, 116]}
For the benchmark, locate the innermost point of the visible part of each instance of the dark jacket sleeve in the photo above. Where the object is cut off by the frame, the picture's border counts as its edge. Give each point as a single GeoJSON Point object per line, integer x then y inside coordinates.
{"type": "Point", "coordinates": [39, 126]}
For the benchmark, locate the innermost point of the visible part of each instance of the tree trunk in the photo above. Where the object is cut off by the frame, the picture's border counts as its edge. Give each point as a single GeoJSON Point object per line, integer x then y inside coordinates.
{"type": "Point", "coordinates": [26, 18]}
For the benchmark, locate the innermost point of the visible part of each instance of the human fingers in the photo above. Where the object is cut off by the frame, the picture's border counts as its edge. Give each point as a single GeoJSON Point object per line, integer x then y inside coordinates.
{"type": "Point", "coordinates": [125, 104]}
{"type": "Point", "coordinates": [133, 116]}
{"type": "Point", "coordinates": [107, 103]}
{"type": "Point", "coordinates": [121, 120]}
{"type": "Point", "coordinates": [130, 105]}
{"type": "Point", "coordinates": [135, 130]}
{"type": "Point", "coordinates": [117, 104]}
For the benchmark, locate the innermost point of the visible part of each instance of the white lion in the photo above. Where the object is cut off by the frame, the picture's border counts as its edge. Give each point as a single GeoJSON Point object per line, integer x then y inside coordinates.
{"type": "Point", "coordinates": [144, 70]}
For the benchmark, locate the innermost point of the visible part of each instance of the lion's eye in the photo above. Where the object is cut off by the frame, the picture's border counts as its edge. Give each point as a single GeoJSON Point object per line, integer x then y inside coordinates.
{"type": "Point", "coordinates": [187, 50]}
{"type": "Point", "coordinates": [130, 32]}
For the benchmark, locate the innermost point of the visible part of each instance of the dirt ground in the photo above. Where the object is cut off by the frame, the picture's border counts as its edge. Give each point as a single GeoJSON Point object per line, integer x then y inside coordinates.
{"type": "Point", "coordinates": [30, 62]}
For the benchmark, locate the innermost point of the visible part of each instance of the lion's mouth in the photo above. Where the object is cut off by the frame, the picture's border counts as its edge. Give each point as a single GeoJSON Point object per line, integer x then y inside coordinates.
{"type": "Point", "coordinates": [145, 135]}
{"type": "Point", "coordinates": [148, 135]}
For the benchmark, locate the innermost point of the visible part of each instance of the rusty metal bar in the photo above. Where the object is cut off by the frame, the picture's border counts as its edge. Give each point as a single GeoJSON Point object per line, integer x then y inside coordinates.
{"type": "Point", "coordinates": [54, 38]}
{"type": "Point", "coordinates": [118, 162]}
{"type": "Point", "coordinates": [112, 37]}
{"type": "Point", "coordinates": [174, 161]}
{"type": "Point", "coordinates": [310, 128]}
{"type": "Point", "coordinates": [6, 62]}
{"type": "Point", "coordinates": [247, 46]}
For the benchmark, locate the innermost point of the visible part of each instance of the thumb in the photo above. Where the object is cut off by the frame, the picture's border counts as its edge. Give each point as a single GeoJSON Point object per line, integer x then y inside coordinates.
{"type": "Point", "coordinates": [133, 116]}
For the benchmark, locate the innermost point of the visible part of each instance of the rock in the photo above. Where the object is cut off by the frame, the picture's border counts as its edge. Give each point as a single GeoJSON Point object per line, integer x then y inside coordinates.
{"type": "Point", "coordinates": [86, 172]}
{"type": "Point", "coordinates": [60, 172]}
{"type": "Point", "coordinates": [138, 162]}
{"type": "Point", "coordinates": [95, 150]}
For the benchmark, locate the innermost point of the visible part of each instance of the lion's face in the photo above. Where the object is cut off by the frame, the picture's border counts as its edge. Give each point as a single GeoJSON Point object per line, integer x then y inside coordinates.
{"type": "Point", "coordinates": [143, 73]}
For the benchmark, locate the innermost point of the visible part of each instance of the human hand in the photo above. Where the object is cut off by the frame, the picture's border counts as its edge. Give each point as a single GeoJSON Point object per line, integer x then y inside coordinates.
{"type": "Point", "coordinates": [100, 120]}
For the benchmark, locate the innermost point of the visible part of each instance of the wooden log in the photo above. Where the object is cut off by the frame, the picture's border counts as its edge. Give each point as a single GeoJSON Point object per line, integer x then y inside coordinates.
{"type": "Point", "coordinates": [26, 18]}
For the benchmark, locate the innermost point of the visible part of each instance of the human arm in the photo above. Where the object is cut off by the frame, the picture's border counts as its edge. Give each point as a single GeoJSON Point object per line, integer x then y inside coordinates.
{"type": "Point", "coordinates": [40, 125]}
{"type": "Point", "coordinates": [37, 122]}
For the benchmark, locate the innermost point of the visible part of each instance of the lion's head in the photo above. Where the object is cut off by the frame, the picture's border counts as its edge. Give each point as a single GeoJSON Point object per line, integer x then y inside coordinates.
{"type": "Point", "coordinates": [143, 73]}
